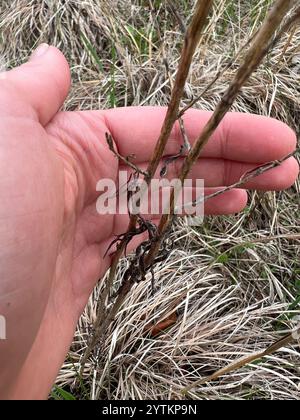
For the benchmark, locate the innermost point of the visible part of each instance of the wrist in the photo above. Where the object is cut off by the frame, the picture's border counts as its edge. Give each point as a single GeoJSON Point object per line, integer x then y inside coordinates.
{"type": "Point", "coordinates": [46, 356]}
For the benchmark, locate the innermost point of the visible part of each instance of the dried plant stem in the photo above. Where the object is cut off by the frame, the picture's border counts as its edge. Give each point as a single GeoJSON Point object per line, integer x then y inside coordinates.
{"type": "Point", "coordinates": [288, 339]}
{"type": "Point", "coordinates": [289, 237]}
{"type": "Point", "coordinates": [123, 159]}
{"type": "Point", "coordinates": [258, 50]}
{"type": "Point", "coordinates": [216, 78]}
{"type": "Point", "coordinates": [261, 45]}
{"type": "Point", "coordinates": [244, 179]}
{"type": "Point", "coordinates": [290, 22]}
{"type": "Point", "coordinates": [192, 39]}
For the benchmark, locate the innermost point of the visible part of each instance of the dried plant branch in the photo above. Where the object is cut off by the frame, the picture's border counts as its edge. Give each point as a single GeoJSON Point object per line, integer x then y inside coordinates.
{"type": "Point", "coordinates": [289, 237]}
{"type": "Point", "coordinates": [123, 159]}
{"type": "Point", "coordinates": [258, 50]}
{"type": "Point", "coordinates": [248, 176]}
{"type": "Point", "coordinates": [287, 25]}
{"type": "Point", "coordinates": [288, 339]}
{"type": "Point", "coordinates": [186, 142]}
{"type": "Point", "coordinates": [243, 180]}
{"type": "Point", "coordinates": [290, 22]}
{"type": "Point", "coordinates": [216, 78]}
{"type": "Point", "coordinates": [261, 45]}
{"type": "Point", "coordinates": [185, 147]}
{"type": "Point", "coordinates": [192, 39]}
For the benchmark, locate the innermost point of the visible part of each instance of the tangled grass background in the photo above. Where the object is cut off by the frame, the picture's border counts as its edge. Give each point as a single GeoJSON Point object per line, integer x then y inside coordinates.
{"type": "Point", "coordinates": [231, 286]}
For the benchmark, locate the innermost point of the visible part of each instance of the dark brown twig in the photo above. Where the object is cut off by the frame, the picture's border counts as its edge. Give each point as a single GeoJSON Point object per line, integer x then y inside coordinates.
{"type": "Point", "coordinates": [123, 159]}
{"type": "Point", "coordinates": [260, 47]}
{"type": "Point", "coordinates": [216, 78]}
{"type": "Point", "coordinates": [190, 44]}
{"type": "Point", "coordinates": [248, 176]}
{"type": "Point", "coordinates": [191, 41]}
{"type": "Point", "coordinates": [261, 44]}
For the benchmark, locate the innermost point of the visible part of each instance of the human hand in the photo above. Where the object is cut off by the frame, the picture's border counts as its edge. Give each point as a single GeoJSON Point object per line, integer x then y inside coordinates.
{"type": "Point", "coordinates": [53, 241]}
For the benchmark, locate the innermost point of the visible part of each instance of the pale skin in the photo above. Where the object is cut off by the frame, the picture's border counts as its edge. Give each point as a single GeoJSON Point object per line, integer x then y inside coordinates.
{"type": "Point", "coordinates": [52, 241]}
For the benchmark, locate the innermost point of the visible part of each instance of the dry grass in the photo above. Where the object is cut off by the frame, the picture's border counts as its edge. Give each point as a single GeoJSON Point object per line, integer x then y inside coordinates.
{"type": "Point", "coordinates": [235, 289]}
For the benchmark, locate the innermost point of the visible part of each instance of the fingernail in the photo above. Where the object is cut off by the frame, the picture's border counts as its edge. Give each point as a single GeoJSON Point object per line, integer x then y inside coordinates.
{"type": "Point", "coordinates": [40, 51]}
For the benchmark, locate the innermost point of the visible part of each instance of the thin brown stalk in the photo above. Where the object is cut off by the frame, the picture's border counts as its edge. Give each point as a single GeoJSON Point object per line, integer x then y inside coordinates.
{"type": "Point", "coordinates": [261, 45]}
{"type": "Point", "coordinates": [237, 364]}
{"type": "Point", "coordinates": [216, 78]}
{"type": "Point", "coordinates": [192, 39]}
{"type": "Point", "coordinates": [288, 237]}
{"type": "Point", "coordinates": [123, 159]}
{"type": "Point", "coordinates": [258, 50]}
{"type": "Point", "coordinates": [290, 22]}
{"type": "Point", "coordinates": [287, 25]}
{"type": "Point", "coordinates": [244, 179]}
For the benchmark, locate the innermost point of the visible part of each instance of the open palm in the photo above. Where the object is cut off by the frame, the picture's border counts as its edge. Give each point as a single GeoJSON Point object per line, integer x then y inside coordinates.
{"type": "Point", "coordinates": [53, 240]}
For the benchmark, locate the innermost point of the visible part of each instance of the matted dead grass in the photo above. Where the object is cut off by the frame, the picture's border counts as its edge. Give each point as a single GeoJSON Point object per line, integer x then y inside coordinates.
{"type": "Point", "coordinates": [233, 284]}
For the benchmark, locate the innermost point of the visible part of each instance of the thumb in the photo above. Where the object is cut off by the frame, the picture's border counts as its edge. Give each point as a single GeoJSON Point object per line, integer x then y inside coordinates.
{"type": "Point", "coordinates": [38, 88]}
